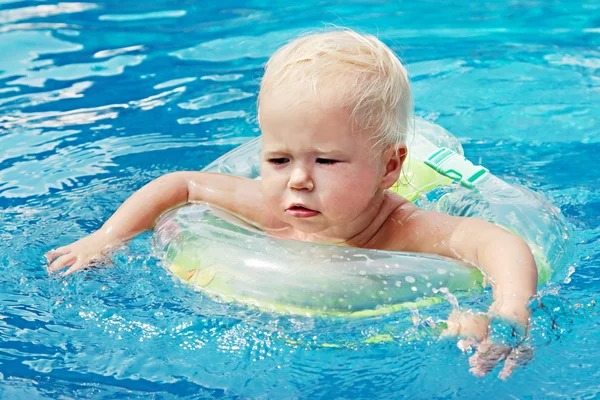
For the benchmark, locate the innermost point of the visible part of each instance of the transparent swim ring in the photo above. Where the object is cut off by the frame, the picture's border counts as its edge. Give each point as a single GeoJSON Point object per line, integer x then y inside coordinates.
{"type": "Point", "coordinates": [231, 261]}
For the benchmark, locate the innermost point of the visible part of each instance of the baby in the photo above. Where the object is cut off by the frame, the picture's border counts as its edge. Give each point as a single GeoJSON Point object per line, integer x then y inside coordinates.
{"type": "Point", "coordinates": [334, 110]}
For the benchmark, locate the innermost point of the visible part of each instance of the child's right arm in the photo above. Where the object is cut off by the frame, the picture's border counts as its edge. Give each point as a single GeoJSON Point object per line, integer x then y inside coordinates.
{"type": "Point", "coordinates": [140, 212]}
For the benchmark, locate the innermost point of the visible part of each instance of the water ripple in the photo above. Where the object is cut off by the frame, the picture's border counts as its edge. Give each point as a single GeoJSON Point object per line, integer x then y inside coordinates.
{"type": "Point", "coordinates": [222, 78]}
{"type": "Point", "coordinates": [34, 99]}
{"type": "Point", "coordinates": [41, 26]}
{"type": "Point", "coordinates": [214, 99]}
{"type": "Point", "coordinates": [58, 119]}
{"type": "Point", "coordinates": [41, 11]}
{"type": "Point", "coordinates": [115, 52]}
{"type": "Point", "coordinates": [110, 67]}
{"type": "Point", "coordinates": [97, 99]}
{"type": "Point", "coordinates": [174, 82]}
{"type": "Point", "coordinates": [224, 115]}
{"type": "Point", "coordinates": [143, 16]}
{"type": "Point", "coordinates": [69, 163]}
{"type": "Point", "coordinates": [590, 60]}
{"type": "Point", "coordinates": [158, 100]}
{"type": "Point", "coordinates": [31, 45]}
{"type": "Point", "coordinates": [235, 48]}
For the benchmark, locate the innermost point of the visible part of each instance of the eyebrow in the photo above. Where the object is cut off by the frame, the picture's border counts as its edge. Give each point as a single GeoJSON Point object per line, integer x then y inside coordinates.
{"type": "Point", "coordinates": [312, 150]}
{"type": "Point", "coordinates": [278, 151]}
{"type": "Point", "coordinates": [317, 151]}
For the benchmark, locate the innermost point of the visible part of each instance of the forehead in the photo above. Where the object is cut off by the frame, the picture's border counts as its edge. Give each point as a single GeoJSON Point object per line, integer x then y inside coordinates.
{"type": "Point", "coordinates": [300, 111]}
{"type": "Point", "coordinates": [292, 92]}
{"type": "Point", "coordinates": [298, 122]}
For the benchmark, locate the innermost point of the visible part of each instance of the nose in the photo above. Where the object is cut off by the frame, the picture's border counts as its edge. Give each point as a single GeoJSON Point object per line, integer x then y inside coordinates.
{"type": "Point", "coordinates": [300, 179]}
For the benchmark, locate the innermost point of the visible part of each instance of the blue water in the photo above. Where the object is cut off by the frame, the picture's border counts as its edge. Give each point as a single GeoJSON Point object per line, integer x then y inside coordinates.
{"type": "Point", "coordinates": [98, 98]}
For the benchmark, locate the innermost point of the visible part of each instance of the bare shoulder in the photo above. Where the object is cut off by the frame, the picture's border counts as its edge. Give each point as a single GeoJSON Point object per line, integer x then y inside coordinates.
{"type": "Point", "coordinates": [410, 228]}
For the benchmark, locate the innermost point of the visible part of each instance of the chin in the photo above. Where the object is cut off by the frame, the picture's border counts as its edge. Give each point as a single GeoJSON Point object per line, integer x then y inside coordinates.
{"type": "Point", "coordinates": [305, 226]}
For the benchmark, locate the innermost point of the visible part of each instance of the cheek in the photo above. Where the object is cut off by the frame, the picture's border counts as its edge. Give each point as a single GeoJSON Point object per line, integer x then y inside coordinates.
{"type": "Point", "coordinates": [270, 186]}
{"type": "Point", "coordinates": [353, 188]}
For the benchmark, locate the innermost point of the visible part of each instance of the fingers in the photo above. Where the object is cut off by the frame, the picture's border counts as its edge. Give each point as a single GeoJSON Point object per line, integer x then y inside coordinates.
{"type": "Point", "coordinates": [52, 254]}
{"type": "Point", "coordinates": [510, 347]}
{"type": "Point", "coordinates": [73, 257]}
{"type": "Point", "coordinates": [486, 358]}
{"type": "Point", "coordinates": [62, 262]}
{"type": "Point", "coordinates": [488, 355]}
{"type": "Point", "coordinates": [75, 267]}
{"type": "Point", "coordinates": [509, 366]}
{"type": "Point", "coordinates": [517, 358]}
{"type": "Point", "coordinates": [71, 260]}
{"type": "Point", "coordinates": [466, 344]}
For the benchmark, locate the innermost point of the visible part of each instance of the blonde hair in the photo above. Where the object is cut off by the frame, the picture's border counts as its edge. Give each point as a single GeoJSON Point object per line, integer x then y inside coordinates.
{"type": "Point", "coordinates": [367, 76]}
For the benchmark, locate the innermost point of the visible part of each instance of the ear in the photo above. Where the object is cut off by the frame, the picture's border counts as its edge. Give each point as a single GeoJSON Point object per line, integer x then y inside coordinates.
{"type": "Point", "coordinates": [393, 157]}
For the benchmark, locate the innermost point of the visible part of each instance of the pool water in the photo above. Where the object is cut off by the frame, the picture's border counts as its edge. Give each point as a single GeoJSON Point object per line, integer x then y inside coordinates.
{"type": "Point", "coordinates": [98, 98]}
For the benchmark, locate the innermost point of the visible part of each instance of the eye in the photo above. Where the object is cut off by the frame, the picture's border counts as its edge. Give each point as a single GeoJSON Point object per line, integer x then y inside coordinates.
{"type": "Point", "coordinates": [279, 161]}
{"type": "Point", "coordinates": [326, 161]}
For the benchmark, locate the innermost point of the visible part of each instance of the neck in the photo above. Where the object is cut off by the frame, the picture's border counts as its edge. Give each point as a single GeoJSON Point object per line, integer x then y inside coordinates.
{"type": "Point", "coordinates": [360, 231]}
{"type": "Point", "coordinates": [374, 219]}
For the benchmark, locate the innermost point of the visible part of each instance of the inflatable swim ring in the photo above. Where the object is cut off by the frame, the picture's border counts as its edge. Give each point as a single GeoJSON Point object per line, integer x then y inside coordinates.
{"type": "Point", "coordinates": [229, 260]}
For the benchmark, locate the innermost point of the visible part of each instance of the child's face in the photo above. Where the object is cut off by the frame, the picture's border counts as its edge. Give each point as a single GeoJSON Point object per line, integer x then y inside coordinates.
{"type": "Point", "coordinates": [318, 174]}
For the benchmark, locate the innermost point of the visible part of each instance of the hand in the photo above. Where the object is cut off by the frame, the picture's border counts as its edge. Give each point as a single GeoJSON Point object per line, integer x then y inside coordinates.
{"type": "Point", "coordinates": [494, 342]}
{"type": "Point", "coordinates": [488, 354]}
{"type": "Point", "coordinates": [87, 251]}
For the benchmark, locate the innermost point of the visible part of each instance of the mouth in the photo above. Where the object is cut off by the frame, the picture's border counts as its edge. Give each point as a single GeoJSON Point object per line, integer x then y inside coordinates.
{"type": "Point", "coordinates": [300, 211]}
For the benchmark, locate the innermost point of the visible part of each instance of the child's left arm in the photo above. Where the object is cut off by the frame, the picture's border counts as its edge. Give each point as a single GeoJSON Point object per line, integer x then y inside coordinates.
{"type": "Point", "coordinates": [510, 268]}
{"type": "Point", "coordinates": [505, 259]}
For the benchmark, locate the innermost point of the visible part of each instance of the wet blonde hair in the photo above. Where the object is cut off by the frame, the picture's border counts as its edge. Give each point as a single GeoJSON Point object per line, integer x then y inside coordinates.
{"type": "Point", "coordinates": [366, 75]}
